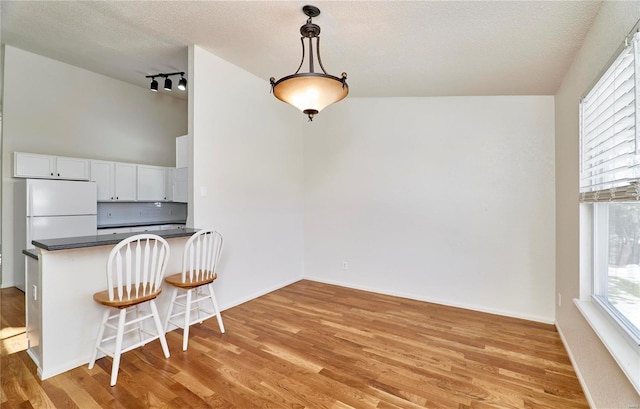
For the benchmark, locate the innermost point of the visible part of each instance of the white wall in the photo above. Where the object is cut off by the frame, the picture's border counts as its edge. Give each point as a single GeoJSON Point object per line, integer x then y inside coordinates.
{"type": "Point", "coordinates": [54, 108]}
{"type": "Point", "coordinates": [605, 383]}
{"type": "Point", "coordinates": [441, 199]}
{"type": "Point", "coordinates": [247, 155]}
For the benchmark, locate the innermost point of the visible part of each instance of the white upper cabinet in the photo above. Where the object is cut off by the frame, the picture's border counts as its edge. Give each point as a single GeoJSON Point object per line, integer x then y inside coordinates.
{"type": "Point", "coordinates": [72, 168]}
{"type": "Point", "coordinates": [182, 151]}
{"type": "Point", "coordinates": [180, 174]}
{"type": "Point", "coordinates": [33, 165]}
{"type": "Point", "coordinates": [125, 181]}
{"type": "Point", "coordinates": [102, 172]}
{"type": "Point", "coordinates": [115, 180]}
{"type": "Point", "coordinates": [151, 183]}
{"type": "Point", "coordinates": [180, 185]}
{"type": "Point", "coordinates": [169, 183]}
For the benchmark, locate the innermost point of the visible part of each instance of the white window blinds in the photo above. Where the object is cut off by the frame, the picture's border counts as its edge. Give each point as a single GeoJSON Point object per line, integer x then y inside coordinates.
{"type": "Point", "coordinates": [610, 149]}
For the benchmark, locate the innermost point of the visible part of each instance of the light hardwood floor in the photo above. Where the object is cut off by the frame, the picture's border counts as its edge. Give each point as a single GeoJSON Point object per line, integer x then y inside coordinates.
{"type": "Point", "coordinates": [313, 345]}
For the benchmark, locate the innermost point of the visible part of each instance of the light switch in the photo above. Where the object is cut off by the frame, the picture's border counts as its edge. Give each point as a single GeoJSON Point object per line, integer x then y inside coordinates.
{"type": "Point", "coordinates": [203, 191]}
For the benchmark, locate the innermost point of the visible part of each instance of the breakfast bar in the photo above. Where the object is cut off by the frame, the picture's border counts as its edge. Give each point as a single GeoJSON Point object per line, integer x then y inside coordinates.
{"type": "Point", "coordinates": [62, 276]}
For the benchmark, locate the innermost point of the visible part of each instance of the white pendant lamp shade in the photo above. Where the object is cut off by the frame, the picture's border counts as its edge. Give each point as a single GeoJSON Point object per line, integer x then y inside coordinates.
{"type": "Point", "coordinates": [311, 91]}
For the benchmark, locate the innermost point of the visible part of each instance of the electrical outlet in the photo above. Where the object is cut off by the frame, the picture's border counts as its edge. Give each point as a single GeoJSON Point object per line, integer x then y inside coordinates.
{"type": "Point", "coordinates": [345, 265]}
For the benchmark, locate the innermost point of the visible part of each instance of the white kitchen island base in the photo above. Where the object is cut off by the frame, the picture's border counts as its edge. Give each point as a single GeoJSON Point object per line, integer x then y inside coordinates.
{"type": "Point", "coordinates": [62, 317]}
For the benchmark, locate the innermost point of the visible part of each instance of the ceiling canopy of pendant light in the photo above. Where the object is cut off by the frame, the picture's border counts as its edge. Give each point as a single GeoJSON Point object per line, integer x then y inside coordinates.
{"type": "Point", "coordinates": [311, 91]}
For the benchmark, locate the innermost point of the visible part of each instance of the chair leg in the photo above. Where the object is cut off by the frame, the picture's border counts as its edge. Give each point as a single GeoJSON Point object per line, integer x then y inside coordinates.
{"type": "Point", "coordinates": [187, 320]}
{"type": "Point", "coordinates": [174, 293]}
{"type": "Point", "coordinates": [105, 318]}
{"type": "Point", "coordinates": [156, 319]}
{"type": "Point", "coordinates": [139, 324]}
{"type": "Point", "coordinates": [215, 307]}
{"type": "Point", "coordinates": [118, 350]}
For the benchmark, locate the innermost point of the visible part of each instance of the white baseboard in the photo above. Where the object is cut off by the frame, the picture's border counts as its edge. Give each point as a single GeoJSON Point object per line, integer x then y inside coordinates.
{"type": "Point", "coordinates": [587, 394]}
{"type": "Point", "coordinates": [544, 320]}
{"type": "Point", "coordinates": [260, 293]}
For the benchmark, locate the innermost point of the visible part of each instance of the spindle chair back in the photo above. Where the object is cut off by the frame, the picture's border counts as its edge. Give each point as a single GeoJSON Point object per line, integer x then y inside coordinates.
{"type": "Point", "coordinates": [135, 270]}
{"type": "Point", "coordinates": [199, 269]}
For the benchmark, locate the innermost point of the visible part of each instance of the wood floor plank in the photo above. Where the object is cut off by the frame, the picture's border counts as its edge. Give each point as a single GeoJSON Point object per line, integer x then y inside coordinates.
{"type": "Point", "coordinates": [310, 346]}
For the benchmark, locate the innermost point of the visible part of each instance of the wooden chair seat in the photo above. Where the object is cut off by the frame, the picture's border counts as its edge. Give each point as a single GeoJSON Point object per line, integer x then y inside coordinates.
{"type": "Point", "coordinates": [102, 297]}
{"type": "Point", "coordinates": [176, 280]}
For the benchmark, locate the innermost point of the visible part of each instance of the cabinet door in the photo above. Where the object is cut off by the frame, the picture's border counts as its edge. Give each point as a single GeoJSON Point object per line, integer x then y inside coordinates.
{"type": "Point", "coordinates": [182, 151]}
{"type": "Point", "coordinates": [151, 183]}
{"type": "Point", "coordinates": [125, 181]}
{"type": "Point", "coordinates": [102, 172]}
{"type": "Point", "coordinates": [168, 183]}
{"type": "Point", "coordinates": [180, 185]}
{"type": "Point", "coordinates": [33, 165]}
{"type": "Point", "coordinates": [72, 168]}
{"type": "Point", "coordinates": [32, 296]}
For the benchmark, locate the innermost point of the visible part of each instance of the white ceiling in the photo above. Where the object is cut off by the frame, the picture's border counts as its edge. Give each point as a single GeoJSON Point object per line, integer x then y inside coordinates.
{"type": "Point", "coordinates": [388, 48]}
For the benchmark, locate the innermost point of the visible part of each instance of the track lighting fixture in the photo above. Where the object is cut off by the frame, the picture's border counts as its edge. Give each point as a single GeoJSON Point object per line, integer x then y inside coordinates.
{"type": "Point", "coordinates": [182, 84]}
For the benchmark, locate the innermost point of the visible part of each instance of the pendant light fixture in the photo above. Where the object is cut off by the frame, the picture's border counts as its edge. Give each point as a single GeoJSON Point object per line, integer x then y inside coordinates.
{"type": "Point", "coordinates": [311, 91]}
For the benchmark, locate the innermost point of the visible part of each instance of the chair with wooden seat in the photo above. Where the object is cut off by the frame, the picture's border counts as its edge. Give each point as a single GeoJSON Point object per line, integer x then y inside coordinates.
{"type": "Point", "coordinates": [135, 269]}
{"type": "Point", "coordinates": [192, 298]}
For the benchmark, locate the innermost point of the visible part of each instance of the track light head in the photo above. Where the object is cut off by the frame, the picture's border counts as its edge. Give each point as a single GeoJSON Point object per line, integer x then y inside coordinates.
{"type": "Point", "coordinates": [167, 84]}
{"type": "Point", "coordinates": [182, 84]}
{"type": "Point", "coordinates": [154, 84]}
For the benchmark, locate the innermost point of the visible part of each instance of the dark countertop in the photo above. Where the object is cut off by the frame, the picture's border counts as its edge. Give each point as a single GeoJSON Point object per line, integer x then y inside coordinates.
{"type": "Point", "coordinates": [102, 240]}
{"type": "Point", "coordinates": [33, 253]}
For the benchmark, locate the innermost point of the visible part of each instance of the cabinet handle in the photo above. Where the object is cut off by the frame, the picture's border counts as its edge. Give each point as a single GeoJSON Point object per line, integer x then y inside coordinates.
{"type": "Point", "coordinates": [58, 174]}
{"type": "Point", "coordinates": [51, 173]}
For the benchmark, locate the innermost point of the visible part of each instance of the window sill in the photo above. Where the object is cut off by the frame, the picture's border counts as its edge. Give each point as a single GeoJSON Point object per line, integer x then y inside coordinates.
{"type": "Point", "coordinates": [626, 355]}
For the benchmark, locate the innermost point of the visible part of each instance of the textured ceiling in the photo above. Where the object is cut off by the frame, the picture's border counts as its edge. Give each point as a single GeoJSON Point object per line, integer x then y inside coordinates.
{"type": "Point", "coordinates": [388, 48]}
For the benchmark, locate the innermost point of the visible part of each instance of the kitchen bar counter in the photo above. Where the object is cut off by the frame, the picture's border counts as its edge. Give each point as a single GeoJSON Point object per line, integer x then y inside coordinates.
{"type": "Point", "coordinates": [62, 318]}
{"type": "Point", "coordinates": [103, 240]}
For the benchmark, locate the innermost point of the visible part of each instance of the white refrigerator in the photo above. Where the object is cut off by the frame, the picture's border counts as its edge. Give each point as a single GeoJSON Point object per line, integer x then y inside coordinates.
{"type": "Point", "coordinates": [60, 208]}
{"type": "Point", "coordinates": [57, 209]}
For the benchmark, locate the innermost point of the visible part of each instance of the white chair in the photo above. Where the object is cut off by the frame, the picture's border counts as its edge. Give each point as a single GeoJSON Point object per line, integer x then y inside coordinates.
{"type": "Point", "coordinates": [135, 269]}
{"type": "Point", "coordinates": [199, 262]}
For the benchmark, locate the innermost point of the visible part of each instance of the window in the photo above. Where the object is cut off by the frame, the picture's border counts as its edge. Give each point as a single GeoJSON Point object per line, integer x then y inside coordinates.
{"type": "Point", "coordinates": [610, 182]}
{"type": "Point", "coordinates": [616, 284]}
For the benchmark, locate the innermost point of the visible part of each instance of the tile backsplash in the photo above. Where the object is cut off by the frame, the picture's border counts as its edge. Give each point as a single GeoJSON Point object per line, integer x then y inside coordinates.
{"type": "Point", "coordinates": [113, 214]}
